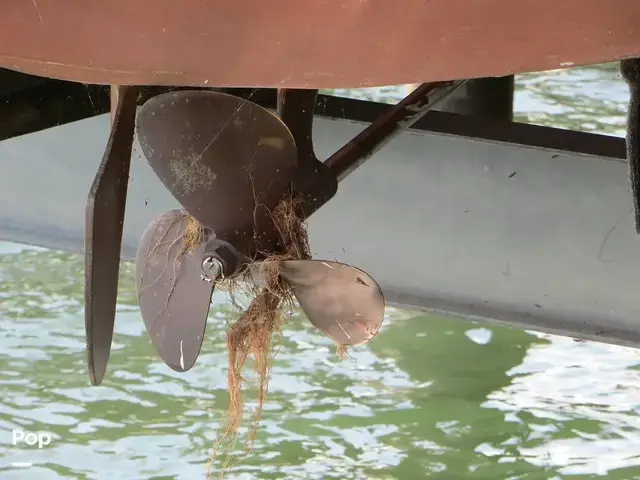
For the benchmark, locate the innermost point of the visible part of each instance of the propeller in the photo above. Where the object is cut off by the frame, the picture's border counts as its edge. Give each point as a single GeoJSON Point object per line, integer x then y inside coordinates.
{"type": "Point", "coordinates": [229, 162]}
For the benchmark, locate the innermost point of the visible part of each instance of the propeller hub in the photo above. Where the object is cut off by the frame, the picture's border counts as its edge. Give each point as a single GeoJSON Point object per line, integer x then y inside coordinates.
{"type": "Point", "coordinates": [221, 260]}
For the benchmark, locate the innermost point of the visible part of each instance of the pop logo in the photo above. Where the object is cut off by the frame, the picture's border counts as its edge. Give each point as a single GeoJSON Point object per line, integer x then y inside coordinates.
{"type": "Point", "coordinates": [41, 439]}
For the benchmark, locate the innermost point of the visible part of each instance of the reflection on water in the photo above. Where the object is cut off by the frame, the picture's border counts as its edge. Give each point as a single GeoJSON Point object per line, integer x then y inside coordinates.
{"type": "Point", "coordinates": [431, 397]}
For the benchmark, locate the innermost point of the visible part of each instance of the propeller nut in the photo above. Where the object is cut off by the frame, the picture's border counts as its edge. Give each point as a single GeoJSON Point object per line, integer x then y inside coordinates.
{"type": "Point", "coordinates": [222, 259]}
{"type": "Point", "coordinates": [212, 269]}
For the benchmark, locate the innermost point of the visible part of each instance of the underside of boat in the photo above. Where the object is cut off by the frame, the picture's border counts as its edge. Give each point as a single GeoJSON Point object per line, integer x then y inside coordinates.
{"type": "Point", "coordinates": [464, 210]}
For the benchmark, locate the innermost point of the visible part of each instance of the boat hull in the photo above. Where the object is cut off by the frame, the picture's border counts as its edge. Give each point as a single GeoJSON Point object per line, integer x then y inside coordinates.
{"type": "Point", "coordinates": [328, 44]}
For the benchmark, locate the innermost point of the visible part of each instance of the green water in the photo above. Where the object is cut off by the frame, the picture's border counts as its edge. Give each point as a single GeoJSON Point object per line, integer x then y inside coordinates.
{"type": "Point", "coordinates": [430, 397]}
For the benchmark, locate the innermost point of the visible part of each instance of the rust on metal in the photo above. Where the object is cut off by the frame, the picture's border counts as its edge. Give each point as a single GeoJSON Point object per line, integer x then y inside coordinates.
{"type": "Point", "coordinates": [103, 235]}
{"type": "Point", "coordinates": [238, 44]}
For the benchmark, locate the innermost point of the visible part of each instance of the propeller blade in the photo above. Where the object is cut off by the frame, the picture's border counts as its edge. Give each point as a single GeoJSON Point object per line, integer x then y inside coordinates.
{"type": "Point", "coordinates": [219, 155]}
{"type": "Point", "coordinates": [173, 298]}
{"type": "Point", "coordinates": [342, 301]}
